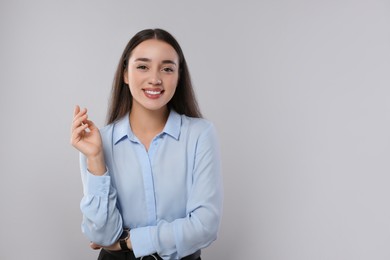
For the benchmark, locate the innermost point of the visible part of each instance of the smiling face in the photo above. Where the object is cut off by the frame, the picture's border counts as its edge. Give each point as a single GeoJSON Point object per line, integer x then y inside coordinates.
{"type": "Point", "coordinates": [152, 75]}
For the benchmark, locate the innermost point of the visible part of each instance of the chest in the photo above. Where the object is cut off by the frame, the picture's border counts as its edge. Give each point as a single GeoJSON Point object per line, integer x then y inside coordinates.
{"type": "Point", "coordinates": [161, 169]}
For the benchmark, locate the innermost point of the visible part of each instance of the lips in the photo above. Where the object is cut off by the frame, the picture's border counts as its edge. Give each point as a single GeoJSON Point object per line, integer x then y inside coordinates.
{"type": "Point", "coordinates": [153, 93]}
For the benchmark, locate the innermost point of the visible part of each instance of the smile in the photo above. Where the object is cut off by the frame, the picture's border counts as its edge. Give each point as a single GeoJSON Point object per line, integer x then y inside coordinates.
{"type": "Point", "coordinates": [153, 93]}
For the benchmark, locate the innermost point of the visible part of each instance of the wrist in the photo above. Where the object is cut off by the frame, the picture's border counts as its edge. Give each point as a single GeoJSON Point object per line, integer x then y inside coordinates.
{"type": "Point", "coordinates": [96, 164]}
{"type": "Point", "coordinates": [128, 242]}
{"type": "Point", "coordinates": [124, 240]}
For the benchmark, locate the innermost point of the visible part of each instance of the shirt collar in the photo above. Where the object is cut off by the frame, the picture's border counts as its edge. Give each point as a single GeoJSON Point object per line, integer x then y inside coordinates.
{"type": "Point", "coordinates": [122, 128]}
{"type": "Point", "coordinates": [173, 125]}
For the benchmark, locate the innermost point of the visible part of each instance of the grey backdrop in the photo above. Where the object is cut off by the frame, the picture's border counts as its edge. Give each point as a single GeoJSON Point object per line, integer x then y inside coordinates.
{"type": "Point", "coordinates": [298, 90]}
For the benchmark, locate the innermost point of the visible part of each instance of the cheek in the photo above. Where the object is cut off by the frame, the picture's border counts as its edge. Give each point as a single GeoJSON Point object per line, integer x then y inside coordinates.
{"type": "Point", "coordinates": [172, 85]}
{"type": "Point", "coordinates": [133, 89]}
{"type": "Point", "coordinates": [132, 86]}
{"type": "Point", "coordinates": [174, 82]}
{"type": "Point", "coordinates": [134, 81]}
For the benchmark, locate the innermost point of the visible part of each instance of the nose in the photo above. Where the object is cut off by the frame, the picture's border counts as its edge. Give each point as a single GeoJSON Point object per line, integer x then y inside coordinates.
{"type": "Point", "coordinates": [155, 79]}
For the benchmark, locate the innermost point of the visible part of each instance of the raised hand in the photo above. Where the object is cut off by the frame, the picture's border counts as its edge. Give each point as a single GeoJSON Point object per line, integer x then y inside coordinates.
{"type": "Point", "coordinates": [85, 137]}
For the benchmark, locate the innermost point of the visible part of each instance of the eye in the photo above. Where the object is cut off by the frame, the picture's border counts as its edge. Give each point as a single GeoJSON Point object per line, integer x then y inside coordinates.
{"type": "Point", "coordinates": [168, 69]}
{"type": "Point", "coordinates": [142, 67]}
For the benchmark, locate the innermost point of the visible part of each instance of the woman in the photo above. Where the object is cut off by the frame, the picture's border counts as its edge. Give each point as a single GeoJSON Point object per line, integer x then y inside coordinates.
{"type": "Point", "coordinates": [154, 169]}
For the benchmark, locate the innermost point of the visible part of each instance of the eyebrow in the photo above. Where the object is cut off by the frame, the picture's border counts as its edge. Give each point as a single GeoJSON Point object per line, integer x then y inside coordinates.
{"type": "Point", "coordinates": [163, 62]}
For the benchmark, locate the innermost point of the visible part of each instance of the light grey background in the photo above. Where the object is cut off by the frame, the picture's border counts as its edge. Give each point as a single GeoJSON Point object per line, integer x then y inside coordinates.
{"type": "Point", "coordinates": [298, 90]}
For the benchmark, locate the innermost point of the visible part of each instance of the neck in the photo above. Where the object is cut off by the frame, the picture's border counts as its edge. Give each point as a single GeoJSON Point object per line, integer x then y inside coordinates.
{"type": "Point", "coordinates": [146, 121]}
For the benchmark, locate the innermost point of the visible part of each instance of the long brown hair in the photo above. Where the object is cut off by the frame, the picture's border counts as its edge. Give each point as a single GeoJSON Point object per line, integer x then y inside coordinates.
{"type": "Point", "coordinates": [183, 101]}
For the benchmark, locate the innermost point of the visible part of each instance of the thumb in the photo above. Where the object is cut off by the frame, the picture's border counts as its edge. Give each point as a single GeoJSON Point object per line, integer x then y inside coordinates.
{"type": "Point", "coordinates": [91, 125]}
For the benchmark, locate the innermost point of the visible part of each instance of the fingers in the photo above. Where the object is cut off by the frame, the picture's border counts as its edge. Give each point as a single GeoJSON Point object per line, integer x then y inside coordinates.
{"type": "Point", "coordinates": [79, 121]}
{"type": "Point", "coordinates": [76, 110]}
{"type": "Point", "coordinates": [78, 131]}
{"type": "Point", "coordinates": [94, 246]}
{"type": "Point", "coordinates": [77, 113]}
{"type": "Point", "coordinates": [79, 117]}
{"type": "Point", "coordinates": [78, 134]}
{"type": "Point", "coordinates": [80, 124]}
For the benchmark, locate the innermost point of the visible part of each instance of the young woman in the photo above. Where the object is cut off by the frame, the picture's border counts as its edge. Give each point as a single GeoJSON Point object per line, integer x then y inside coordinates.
{"type": "Point", "coordinates": [151, 177]}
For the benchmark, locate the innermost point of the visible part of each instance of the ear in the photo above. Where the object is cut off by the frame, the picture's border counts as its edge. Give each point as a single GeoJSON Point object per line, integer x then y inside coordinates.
{"type": "Point", "coordinates": [126, 77]}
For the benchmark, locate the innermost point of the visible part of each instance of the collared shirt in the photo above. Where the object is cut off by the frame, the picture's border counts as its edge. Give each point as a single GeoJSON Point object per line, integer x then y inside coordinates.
{"type": "Point", "coordinates": [170, 195]}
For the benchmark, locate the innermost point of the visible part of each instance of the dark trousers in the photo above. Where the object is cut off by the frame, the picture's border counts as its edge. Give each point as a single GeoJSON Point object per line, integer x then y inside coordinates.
{"type": "Point", "coordinates": [116, 255]}
{"type": "Point", "coordinates": [129, 255]}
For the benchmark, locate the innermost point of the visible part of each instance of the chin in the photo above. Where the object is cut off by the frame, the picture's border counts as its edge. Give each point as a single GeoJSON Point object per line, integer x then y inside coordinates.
{"type": "Point", "coordinates": [156, 108]}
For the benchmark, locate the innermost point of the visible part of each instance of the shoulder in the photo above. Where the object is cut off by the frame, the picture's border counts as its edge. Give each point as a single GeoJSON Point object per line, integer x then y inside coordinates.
{"type": "Point", "coordinates": [200, 134]}
{"type": "Point", "coordinates": [196, 124]}
{"type": "Point", "coordinates": [197, 127]}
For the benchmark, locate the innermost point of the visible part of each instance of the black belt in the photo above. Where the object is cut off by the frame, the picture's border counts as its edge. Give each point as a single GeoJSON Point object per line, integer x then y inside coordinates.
{"type": "Point", "coordinates": [155, 256]}
{"type": "Point", "coordinates": [129, 255]}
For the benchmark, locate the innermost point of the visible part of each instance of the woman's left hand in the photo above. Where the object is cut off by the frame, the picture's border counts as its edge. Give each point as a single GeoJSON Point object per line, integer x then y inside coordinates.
{"type": "Point", "coordinates": [114, 247]}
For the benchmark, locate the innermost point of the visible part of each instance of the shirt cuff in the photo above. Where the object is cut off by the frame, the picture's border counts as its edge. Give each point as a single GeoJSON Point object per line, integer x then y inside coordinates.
{"type": "Point", "coordinates": [98, 185]}
{"type": "Point", "coordinates": [141, 241]}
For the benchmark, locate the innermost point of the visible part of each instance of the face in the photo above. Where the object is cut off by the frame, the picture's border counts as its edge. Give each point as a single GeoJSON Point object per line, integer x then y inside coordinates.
{"type": "Point", "coordinates": [152, 75]}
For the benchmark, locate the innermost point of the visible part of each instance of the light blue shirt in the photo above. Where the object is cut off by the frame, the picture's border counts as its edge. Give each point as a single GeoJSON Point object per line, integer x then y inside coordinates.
{"type": "Point", "coordinates": [170, 195]}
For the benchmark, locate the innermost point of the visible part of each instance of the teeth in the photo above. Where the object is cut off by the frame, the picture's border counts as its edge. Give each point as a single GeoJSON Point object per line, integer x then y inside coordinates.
{"type": "Point", "coordinates": [151, 92]}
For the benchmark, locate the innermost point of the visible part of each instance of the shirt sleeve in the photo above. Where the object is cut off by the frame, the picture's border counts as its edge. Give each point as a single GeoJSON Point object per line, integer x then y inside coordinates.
{"type": "Point", "coordinates": [102, 222]}
{"type": "Point", "coordinates": [184, 236]}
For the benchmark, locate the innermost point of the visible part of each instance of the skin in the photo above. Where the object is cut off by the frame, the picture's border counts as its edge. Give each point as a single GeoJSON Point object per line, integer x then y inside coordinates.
{"type": "Point", "coordinates": [153, 66]}
{"type": "Point", "coordinates": [152, 76]}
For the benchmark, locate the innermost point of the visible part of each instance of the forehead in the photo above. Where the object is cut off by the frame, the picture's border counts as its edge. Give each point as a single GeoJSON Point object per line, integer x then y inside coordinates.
{"type": "Point", "coordinates": [154, 49]}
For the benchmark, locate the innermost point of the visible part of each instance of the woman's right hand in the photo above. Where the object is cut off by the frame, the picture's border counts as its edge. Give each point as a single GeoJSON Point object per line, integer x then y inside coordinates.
{"type": "Point", "coordinates": [85, 137]}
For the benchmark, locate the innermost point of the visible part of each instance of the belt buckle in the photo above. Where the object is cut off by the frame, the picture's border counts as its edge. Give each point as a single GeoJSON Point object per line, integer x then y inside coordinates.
{"type": "Point", "coordinates": [146, 257]}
